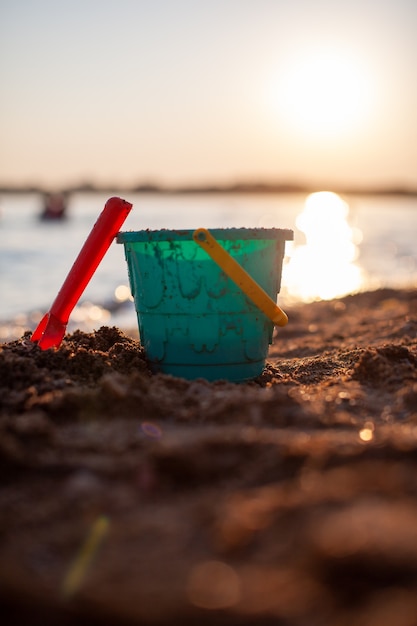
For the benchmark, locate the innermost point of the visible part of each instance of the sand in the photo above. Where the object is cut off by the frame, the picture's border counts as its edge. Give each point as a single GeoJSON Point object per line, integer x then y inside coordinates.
{"type": "Point", "coordinates": [132, 498]}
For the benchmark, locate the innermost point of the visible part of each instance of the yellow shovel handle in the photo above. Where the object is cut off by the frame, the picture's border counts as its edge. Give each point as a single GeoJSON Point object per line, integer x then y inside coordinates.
{"type": "Point", "coordinates": [236, 272]}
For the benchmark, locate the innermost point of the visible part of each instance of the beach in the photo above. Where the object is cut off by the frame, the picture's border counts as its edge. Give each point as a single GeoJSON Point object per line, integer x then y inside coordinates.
{"type": "Point", "coordinates": [133, 498]}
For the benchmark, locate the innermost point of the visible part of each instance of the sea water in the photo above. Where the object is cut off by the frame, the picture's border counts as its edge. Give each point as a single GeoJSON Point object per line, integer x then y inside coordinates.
{"type": "Point", "coordinates": [375, 233]}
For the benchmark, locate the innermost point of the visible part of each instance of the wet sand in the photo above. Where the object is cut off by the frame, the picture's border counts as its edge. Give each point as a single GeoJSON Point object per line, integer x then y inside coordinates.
{"type": "Point", "coordinates": [131, 498]}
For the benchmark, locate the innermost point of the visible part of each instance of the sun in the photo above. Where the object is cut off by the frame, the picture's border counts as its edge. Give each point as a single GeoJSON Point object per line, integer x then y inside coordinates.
{"type": "Point", "coordinates": [323, 94]}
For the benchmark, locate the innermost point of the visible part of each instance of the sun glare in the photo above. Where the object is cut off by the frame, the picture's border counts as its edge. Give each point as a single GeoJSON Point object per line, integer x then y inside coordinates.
{"type": "Point", "coordinates": [324, 267]}
{"type": "Point", "coordinates": [327, 94]}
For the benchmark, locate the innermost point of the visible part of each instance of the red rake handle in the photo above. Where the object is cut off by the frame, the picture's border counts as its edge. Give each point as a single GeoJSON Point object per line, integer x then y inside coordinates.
{"type": "Point", "coordinates": [95, 247]}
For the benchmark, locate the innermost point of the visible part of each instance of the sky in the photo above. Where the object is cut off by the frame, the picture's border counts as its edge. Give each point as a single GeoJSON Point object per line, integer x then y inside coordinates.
{"type": "Point", "coordinates": [189, 92]}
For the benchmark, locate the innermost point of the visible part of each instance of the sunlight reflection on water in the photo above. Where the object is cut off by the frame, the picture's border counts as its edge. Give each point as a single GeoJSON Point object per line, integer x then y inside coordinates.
{"type": "Point", "coordinates": [324, 266]}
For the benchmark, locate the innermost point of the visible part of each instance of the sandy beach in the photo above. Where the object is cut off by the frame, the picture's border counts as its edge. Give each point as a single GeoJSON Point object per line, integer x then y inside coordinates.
{"type": "Point", "coordinates": [132, 498]}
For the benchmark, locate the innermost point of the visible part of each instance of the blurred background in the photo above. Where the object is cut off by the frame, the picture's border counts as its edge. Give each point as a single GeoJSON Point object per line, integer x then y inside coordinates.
{"type": "Point", "coordinates": [233, 111]}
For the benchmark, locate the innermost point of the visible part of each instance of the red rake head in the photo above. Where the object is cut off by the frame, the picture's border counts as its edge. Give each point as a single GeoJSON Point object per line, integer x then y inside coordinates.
{"type": "Point", "coordinates": [50, 332]}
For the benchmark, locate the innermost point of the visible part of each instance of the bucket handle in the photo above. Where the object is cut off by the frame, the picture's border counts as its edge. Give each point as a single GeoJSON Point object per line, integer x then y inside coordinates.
{"type": "Point", "coordinates": [242, 279]}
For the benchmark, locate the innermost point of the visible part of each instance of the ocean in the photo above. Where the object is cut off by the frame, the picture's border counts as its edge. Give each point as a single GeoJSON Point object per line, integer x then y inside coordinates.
{"type": "Point", "coordinates": [341, 246]}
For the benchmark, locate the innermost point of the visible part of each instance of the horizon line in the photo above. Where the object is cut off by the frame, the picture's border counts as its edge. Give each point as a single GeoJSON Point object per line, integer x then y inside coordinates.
{"type": "Point", "coordinates": [235, 187]}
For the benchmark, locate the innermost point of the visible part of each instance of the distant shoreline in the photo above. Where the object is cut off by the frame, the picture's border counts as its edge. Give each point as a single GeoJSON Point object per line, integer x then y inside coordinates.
{"type": "Point", "coordinates": [233, 188]}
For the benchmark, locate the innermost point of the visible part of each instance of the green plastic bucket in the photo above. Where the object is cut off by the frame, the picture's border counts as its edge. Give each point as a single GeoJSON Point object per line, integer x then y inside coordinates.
{"type": "Point", "coordinates": [194, 321]}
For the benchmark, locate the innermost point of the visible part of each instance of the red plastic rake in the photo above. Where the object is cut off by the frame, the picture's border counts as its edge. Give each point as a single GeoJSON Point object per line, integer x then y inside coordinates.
{"type": "Point", "coordinates": [52, 326]}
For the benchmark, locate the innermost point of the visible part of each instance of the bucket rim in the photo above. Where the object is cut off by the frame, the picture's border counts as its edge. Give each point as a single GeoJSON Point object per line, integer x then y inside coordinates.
{"type": "Point", "coordinates": [231, 234]}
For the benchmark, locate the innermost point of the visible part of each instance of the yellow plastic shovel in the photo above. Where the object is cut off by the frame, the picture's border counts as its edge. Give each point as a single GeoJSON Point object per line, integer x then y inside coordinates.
{"type": "Point", "coordinates": [242, 279]}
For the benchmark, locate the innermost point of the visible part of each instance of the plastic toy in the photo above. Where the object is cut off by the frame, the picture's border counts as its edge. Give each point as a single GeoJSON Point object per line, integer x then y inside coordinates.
{"type": "Point", "coordinates": [205, 301]}
{"type": "Point", "coordinates": [51, 329]}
